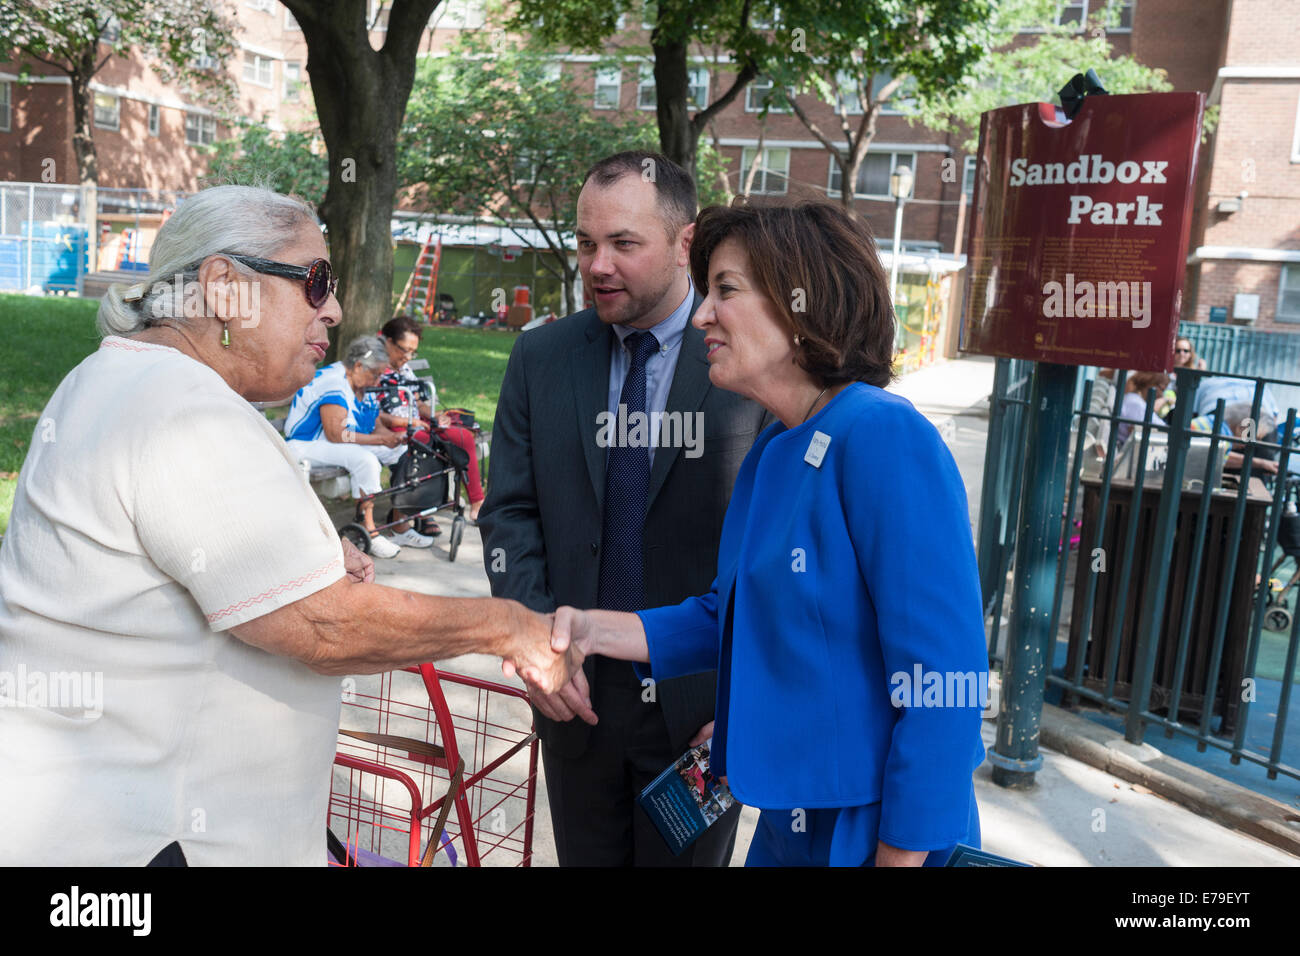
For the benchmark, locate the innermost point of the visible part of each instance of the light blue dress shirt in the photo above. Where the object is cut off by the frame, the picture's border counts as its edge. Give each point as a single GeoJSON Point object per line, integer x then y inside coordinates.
{"type": "Point", "coordinates": [661, 366]}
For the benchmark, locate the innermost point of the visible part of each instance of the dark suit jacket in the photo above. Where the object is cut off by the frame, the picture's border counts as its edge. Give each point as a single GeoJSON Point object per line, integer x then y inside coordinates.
{"type": "Point", "coordinates": [541, 522]}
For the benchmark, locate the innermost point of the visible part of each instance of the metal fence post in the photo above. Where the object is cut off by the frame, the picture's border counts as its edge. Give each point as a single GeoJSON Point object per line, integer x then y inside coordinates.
{"type": "Point", "coordinates": [31, 233]}
{"type": "Point", "coordinates": [1015, 756]}
{"type": "Point", "coordinates": [1162, 546]}
{"type": "Point", "coordinates": [991, 497]}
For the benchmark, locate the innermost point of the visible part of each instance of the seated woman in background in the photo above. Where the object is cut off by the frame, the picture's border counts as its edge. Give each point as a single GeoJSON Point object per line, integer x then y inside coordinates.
{"type": "Point", "coordinates": [401, 338]}
{"type": "Point", "coordinates": [333, 421]}
{"type": "Point", "coordinates": [1135, 400]}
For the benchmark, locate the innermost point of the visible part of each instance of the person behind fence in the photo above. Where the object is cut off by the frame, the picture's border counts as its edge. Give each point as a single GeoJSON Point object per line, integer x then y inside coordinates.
{"type": "Point", "coordinates": [845, 620]}
{"type": "Point", "coordinates": [1236, 424]}
{"type": "Point", "coordinates": [177, 602]}
{"type": "Point", "coordinates": [334, 421]}
{"type": "Point", "coordinates": [401, 339]}
{"type": "Point", "coordinates": [1134, 407]}
{"type": "Point", "coordinates": [1185, 356]}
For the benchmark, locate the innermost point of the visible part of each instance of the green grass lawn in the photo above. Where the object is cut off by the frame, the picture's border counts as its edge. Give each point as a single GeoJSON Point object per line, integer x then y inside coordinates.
{"type": "Point", "coordinates": [42, 339]}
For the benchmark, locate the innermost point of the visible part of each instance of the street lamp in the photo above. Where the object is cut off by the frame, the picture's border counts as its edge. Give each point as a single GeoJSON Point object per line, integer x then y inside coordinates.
{"type": "Point", "coordinates": [900, 187]}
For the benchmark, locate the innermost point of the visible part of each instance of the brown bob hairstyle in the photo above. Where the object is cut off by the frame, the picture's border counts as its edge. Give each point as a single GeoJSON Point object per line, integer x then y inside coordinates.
{"type": "Point", "coordinates": [819, 267]}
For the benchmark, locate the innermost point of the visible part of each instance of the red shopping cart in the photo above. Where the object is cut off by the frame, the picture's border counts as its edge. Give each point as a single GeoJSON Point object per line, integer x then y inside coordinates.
{"type": "Point", "coordinates": [433, 768]}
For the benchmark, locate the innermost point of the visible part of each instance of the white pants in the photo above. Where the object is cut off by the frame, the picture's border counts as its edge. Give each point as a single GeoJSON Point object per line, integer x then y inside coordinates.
{"type": "Point", "coordinates": [363, 462]}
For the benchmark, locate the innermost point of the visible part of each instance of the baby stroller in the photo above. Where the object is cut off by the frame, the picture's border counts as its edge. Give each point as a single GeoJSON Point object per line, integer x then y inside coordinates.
{"type": "Point", "coordinates": [429, 478]}
{"type": "Point", "coordinates": [1277, 616]}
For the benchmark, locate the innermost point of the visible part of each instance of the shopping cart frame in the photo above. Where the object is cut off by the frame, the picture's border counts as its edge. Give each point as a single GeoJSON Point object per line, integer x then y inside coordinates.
{"type": "Point", "coordinates": [390, 757]}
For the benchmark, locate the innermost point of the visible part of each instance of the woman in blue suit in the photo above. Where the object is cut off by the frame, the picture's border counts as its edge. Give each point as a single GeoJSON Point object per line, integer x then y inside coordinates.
{"type": "Point", "coordinates": [845, 620]}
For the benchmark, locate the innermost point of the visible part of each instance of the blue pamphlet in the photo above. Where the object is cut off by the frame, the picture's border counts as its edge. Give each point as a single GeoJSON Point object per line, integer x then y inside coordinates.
{"type": "Point", "coordinates": [964, 855]}
{"type": "Point", "coordinates": [686, 799]}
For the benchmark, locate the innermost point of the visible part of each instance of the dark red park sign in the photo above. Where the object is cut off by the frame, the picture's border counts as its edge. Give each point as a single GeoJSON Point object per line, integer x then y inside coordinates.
{"type": "Point", "coordinates": [1078, 242]}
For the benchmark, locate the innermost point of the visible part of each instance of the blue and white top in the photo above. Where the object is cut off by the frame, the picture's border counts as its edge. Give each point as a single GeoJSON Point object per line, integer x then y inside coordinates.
{"type": "Point", "coordinates": [329, 387]}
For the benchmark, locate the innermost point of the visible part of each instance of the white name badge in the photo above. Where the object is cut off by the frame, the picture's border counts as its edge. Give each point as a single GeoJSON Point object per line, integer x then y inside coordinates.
{"type": "Point", "coordinates": [817, 449]}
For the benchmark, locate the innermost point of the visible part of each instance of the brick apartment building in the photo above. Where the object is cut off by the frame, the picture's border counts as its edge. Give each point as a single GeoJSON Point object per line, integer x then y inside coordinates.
{"type": "Point", "coordinates": [1242, 53]}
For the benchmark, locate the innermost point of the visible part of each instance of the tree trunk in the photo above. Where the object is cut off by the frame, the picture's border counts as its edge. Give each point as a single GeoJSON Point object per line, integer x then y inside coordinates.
{"type": "Point", "coordinates": [83, 122]}
{"type": "Point", "coordinates": [360, 96]}
{"type": "Point", "coordinates": [677, 137]}
{"type": "Point", "coordinates": [857, 155]}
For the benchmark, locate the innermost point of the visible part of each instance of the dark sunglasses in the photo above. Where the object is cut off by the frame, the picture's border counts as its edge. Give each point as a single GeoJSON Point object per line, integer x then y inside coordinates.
{"type": "Point", "coordinates": [319, 280]}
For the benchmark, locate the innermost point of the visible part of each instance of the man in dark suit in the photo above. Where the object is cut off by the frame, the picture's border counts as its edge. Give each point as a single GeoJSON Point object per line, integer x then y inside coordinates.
{"type": "Point", "coordinates": [586, 509]}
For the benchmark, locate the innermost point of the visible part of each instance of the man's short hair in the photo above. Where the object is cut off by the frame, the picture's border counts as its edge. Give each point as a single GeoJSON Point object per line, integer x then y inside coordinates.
{"type": "Point", "coordinates": [674, 188]}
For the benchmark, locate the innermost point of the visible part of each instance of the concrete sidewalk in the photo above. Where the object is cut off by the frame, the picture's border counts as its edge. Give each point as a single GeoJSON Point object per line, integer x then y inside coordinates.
{"type": "Point", "coordinates": [1076, 816]}
{"type": "Point", "coordinates": [954, 397]}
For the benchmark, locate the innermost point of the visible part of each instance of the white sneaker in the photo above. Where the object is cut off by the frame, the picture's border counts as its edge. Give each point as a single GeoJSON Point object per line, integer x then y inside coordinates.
{"type": "Point", "coordinates": [411, 538]}
{"type": "Point", "coordinates": [381, 547]}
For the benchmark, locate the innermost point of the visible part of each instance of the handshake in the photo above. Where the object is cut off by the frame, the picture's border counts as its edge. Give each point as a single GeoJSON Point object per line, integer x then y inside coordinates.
{"type": "Point", "coordinates": [546, 651]}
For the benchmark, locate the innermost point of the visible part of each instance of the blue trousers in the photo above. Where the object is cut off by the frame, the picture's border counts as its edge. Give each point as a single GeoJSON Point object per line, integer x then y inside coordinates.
{"type": "Point", "coordinates": [805, 838]}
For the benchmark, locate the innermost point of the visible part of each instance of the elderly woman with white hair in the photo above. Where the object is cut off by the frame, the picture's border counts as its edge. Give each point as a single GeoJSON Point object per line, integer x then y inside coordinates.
{"type": "Point", "coordinates": [333, 421]}
{"type": "Point", "coordinates": [167, 548]}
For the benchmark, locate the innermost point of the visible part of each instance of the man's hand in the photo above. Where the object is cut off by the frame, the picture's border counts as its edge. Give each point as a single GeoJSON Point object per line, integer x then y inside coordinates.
{"type": "Point", "coordinates": [573, 700]}
{"type": "Point", "coordinates": [358, 566]}
{"type": "Point", "coordinates": [570, 637]}
{"type": "Point", "coordinates": [701, 735]}
{"type": "Point", "coordinates": [531, 657]}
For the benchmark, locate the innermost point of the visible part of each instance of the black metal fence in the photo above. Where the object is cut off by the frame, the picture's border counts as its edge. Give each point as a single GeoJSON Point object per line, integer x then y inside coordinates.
{"type": "Point", "coordinates": [1178, 554]}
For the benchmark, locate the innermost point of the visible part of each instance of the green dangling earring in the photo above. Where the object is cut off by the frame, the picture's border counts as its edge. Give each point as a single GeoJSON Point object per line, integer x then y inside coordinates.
{"type": "Point", "coordinates": [225, 334]}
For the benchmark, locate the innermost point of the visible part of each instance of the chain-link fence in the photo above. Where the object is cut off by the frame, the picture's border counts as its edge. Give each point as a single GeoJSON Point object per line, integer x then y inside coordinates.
{"type": "Point", "coordinates": [42, 237]}
{"type": "Point", "coordinates": [45, 242]}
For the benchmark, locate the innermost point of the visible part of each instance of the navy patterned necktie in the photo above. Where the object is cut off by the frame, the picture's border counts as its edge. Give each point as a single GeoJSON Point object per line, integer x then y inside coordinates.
{"type": "Point", "coordinates": [627, 479]}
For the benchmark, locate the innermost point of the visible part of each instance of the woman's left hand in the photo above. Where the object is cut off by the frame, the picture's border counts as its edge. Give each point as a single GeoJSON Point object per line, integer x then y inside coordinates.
{"type": "Point", "coordinates": [358, 566]}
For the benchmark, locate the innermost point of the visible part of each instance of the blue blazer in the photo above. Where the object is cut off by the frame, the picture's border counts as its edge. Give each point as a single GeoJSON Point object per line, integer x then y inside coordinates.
{"type": "Point", "coordinates": [850, 583]}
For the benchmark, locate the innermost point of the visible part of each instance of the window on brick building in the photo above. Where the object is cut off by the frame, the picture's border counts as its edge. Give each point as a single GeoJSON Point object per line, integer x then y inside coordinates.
{"type": "Point", "coordinates": [697, 93]}
{"type": "Point", "coordinates": [968, 166]}
{"type": "Point", "coordinates": [292, 80]}
{"type": "Point", "coordinates": [759, 90]}
{"type": "Point", "coordinates": [608, 84]}
{"type": "Point", "coordinates": [108, 111]}
{"type": "Point", "coordinates": [646, 95]}
{"type": "Point", "coordinates": [289, 22]}
{"type": "Point", "coordinates": [1295, 140]}
{"type": "Point", "coordinates": [459, 15]}
{"type": "Point", "coordinates": [649, 14]}
{"type": "Point", "coordinates": [1288, 293]}
{"type": "Point", "coordinates": [1125, 23]}
{"type": "Point", "coordinates": [873, 174]}
{"type": "Point", "coordinates": [258, 70]}
{"type": "Point", "coordinates": [773, 174]}
{"type": "Point", "coordinates": [112, 30]}
{"type": "Point", "coordinates": [200, 130]}
{"type": "Point", "coordinates": [1073, 12]}
{"type": "Point", "coordinates": [6, 94]}
{"type": "Point", "coordinates": [155, 119]}
{"type": "Point", "coordinates": [526, 171]}
{"type": "Point", "coordinates": [266, 5]}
